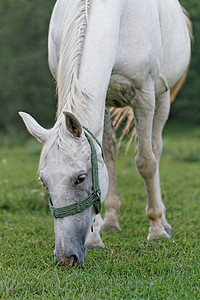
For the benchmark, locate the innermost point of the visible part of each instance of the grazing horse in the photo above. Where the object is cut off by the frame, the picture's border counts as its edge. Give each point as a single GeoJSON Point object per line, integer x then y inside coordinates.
{"type": "Point", "coordinates": [119, 52]}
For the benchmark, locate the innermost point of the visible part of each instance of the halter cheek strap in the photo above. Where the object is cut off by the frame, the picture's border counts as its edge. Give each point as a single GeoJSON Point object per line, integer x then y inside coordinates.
{"type": "Point", "coordinates": [94, 198]}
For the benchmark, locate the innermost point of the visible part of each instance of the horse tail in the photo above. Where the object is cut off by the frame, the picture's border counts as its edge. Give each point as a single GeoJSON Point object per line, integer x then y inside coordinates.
{"type": "Point", "coordinates": [188, 23]}
{"type": "Point", "coordinates": [175, 89]}
{"type": "Point", "coordinates": [125, 115]}
{"type": "Point", "coordinates": [72, 40]}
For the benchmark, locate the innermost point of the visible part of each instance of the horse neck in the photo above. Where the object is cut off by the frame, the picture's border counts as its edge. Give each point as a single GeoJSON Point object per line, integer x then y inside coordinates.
{"type": "Point", "coordinates": [90, 63]}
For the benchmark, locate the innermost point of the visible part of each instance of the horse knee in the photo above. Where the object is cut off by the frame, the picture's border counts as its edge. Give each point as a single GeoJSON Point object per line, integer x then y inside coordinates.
{"type": "Point", "coordinates": [146, 165]}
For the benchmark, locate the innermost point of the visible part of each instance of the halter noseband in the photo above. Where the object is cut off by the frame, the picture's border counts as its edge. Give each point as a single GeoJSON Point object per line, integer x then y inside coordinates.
{"type": "Point", "coordinates": [94, 198]}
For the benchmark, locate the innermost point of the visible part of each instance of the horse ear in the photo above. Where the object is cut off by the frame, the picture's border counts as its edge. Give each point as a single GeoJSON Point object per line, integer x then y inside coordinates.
{"type": "Point", "coordinates": [72, 124]}
{"type": "Point", "coordinates": [34, 128]}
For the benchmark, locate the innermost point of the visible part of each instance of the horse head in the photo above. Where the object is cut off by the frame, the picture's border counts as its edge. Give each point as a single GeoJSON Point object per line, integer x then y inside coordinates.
{"type": "Point", "coordinates": [67, 169]}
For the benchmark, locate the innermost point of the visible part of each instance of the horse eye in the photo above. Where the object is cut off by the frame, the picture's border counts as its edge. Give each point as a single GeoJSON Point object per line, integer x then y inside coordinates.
{"type": "Point", "coordinates": [80, 179]}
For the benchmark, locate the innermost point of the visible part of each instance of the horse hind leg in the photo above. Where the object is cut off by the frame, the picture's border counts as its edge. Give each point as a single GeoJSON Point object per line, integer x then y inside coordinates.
{"type": "Point", "coordinates": [146, 160]}
{"type": "Point", "coordinates": [112, 203]}
{"type": "Point", "coordinates": [160, 118]}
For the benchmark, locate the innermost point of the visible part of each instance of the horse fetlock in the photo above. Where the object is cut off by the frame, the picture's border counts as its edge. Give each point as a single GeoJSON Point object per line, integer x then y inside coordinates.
{"type": "Point", "coordinates": [154, 214]}
{"type": "Point", "coordinates": [112, 204]}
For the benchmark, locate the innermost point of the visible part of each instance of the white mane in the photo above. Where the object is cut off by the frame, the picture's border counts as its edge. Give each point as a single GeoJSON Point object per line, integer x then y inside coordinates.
{"type": "Point", "coordinates": [71, 95]}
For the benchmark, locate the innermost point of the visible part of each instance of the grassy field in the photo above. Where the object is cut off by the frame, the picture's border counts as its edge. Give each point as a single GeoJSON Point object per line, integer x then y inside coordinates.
{"type": "Point", "coordinates": [129, 267]}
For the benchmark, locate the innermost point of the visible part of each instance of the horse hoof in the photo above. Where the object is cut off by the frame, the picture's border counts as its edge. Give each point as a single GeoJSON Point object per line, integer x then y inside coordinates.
{"type": "Point", "coordinates": [169, 232]}
{"type": "Point", "coordinates": [110, 227]}
{"type": "Point", "coordinates": [156, 235]}
{"type": "Point", "coordinates": [93, 248]}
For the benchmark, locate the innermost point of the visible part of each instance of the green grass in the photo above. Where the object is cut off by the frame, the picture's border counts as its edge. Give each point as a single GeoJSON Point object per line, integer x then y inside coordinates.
{"type": "Point", "coordinates": [129, 267]}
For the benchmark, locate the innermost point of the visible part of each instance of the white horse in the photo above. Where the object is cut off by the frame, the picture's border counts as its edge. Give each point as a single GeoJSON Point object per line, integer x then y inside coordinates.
{"type": "Point", "coordinates": [133, 52]}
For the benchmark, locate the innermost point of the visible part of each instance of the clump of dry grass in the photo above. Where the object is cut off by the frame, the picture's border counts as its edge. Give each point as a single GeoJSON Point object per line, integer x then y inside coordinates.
{"type": "Point", "coordinates": [120, 114]}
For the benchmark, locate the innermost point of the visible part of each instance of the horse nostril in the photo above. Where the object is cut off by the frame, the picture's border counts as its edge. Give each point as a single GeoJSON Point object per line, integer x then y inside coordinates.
{"type": "Point", "coordinates": [68, 261]}
{"type": "Point", "coordinates": [72, 260]}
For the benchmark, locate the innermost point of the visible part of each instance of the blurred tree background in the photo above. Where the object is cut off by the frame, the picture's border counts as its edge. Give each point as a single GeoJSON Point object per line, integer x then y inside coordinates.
{"type": "Point", "coordinates": [26, 83]}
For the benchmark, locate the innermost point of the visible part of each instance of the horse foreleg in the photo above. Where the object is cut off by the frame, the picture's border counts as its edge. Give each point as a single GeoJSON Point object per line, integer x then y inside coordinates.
{"type": "Point", "coordinates": [146, 161]}
{"type": "Point", "coordinates": [112, 203]}
{"type": "Point", "coordinates": [160, 118]}
{"type": "Point", "coordinates": [94, 240]}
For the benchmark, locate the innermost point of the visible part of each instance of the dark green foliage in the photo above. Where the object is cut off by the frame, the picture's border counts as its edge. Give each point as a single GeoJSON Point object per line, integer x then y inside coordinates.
{"type": "Point", "coordinates": [25, 81]}
{"type": "Point", "coordinates": [187, 105]}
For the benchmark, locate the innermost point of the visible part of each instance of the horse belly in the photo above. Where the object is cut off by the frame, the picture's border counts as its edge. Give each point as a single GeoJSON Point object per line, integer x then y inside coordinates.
{"type": "Point", "coordinates": [139, 52]}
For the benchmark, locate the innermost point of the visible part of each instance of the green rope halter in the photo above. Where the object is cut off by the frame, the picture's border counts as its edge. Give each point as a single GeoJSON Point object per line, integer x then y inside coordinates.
{"type": "Point", "coordinates": [94, 198]}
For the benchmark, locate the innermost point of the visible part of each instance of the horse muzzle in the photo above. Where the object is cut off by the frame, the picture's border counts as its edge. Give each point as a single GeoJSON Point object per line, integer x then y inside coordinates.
{"type": "Point", "coordinates": [69, 260]}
